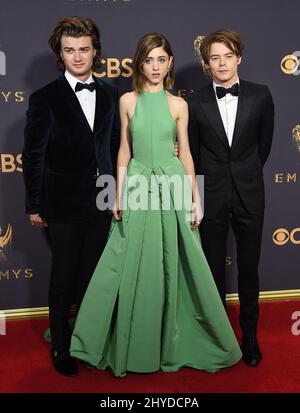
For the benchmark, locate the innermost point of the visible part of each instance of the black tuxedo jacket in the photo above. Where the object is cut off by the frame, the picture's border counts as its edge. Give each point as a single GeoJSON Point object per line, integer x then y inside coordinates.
{"type": "Point", "coordinates": [244, 160]}
{"type": "Point", "coordinates": [61, 153]}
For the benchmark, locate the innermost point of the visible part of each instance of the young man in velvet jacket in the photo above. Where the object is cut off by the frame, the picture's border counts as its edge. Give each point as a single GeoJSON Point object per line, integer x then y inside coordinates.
{"type": "Point", "coordinates": [231, 124]}
{"type": "Point", "coordinates": [71, 137]}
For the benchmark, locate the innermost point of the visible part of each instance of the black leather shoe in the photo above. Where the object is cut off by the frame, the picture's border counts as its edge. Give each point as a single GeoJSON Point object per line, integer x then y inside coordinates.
{"type": "Point", "coordinates": [64, 363]}
{"type": "Point", "coordinates": [251, 351]}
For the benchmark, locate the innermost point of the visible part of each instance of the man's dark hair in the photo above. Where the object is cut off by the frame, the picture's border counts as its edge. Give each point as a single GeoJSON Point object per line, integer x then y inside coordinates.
{"type": "Point", "coordinates": [76, 27]}
{"type": "Point", "coordinates": [230, 38]}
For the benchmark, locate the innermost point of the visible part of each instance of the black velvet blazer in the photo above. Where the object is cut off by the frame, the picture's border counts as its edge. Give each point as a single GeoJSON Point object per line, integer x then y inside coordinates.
{"type": "Point", "coordinates": [61, 153]}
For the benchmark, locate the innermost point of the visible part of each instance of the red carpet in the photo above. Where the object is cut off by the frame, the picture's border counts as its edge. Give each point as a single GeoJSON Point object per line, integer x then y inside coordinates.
{"type": "Point", "coordinates": [26, 368]}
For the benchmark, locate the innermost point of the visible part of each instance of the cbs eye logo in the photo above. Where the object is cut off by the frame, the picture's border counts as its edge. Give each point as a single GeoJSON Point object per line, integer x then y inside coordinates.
{"type": "Point", "coordinates": [282, 236]}
{"type": "Point", "coordinates": [290, 64]}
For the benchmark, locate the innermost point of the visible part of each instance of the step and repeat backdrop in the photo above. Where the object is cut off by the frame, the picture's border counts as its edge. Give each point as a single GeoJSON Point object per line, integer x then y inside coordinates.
{"type": "Point", "coordinates": [269, 29]}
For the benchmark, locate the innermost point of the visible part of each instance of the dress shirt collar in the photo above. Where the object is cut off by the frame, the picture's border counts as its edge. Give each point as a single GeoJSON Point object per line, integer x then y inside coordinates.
{"type": "Point", "coordinates": [73, 80]}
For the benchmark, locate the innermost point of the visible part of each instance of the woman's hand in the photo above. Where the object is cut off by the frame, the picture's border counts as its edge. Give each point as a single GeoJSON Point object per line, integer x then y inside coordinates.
{"type": "Point", "coordinates": [117, 211]}
{"type": "Point", "coordinates": [196, 216]}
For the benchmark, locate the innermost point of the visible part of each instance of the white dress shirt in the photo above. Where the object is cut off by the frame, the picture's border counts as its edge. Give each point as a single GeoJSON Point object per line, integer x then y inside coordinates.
{"type": "Point", "coordinates": [86, 98]}
{"type": "Point", "coordinates": [228, 108]}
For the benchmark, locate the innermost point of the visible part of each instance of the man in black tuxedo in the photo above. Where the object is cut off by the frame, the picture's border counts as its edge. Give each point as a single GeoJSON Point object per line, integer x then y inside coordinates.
{"type": "Point", "coordinates": [230, 129]}
{"type": "Point", "coordinates": [71, 137]}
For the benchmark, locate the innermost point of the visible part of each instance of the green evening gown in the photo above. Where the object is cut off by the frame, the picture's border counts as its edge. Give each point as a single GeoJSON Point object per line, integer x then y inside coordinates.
{"type": "Point", "coordinates": [152, 302]}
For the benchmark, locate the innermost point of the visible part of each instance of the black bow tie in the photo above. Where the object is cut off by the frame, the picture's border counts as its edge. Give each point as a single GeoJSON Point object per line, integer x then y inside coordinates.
{"type": "Point", "coordinates": [221, 91]}
{"type": "Point", "coordinates": [89, 86]}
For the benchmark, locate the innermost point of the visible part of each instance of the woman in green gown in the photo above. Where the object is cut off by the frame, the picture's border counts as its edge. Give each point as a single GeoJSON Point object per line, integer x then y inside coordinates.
{"type": "Point", "coordinates": [152, 302]}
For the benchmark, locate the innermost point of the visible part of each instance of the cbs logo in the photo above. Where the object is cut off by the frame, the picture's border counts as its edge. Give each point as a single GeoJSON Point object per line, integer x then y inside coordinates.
{"type": "Point", "coordinates": [114, 67]}
{"type": "Point", "coordinates": [282, 236]}
{"type": "Point", "coordinates": [290, 64]}
{"type": "Point", "coordinates": [10, 163]}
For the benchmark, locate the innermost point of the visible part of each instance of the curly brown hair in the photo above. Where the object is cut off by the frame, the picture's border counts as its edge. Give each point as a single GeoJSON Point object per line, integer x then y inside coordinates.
{"type": "Point", "coordinates": [76, 27]}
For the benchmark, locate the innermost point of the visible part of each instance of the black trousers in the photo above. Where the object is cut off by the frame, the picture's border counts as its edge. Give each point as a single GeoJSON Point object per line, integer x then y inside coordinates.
{"type": "Point", "coordinates": [247, 229]}
{"type": "Point", "coordinates": [76, 249]}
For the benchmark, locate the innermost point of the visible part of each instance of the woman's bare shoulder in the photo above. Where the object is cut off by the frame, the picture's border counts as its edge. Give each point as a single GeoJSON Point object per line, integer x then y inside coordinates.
{"type": "Point", "coordinates": [128, 97]}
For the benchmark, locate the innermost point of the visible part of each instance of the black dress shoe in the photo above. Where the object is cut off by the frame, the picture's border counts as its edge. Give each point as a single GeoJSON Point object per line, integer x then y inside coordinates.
{"type": "Point", "coordinates": [64, 363]}
{"type": "Point", "coordinates": [251, 351]}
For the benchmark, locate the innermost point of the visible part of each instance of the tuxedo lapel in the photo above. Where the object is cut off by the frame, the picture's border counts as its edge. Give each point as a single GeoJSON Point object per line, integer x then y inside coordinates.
{"type": "Point", "coordinates": [71, 101]}
{"type": "Point", "coordinates": [245, 103]}
{"type": "Point", "coordinates": [99, 110]}
{"type": "Point", "coordinates": [211, 109]}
